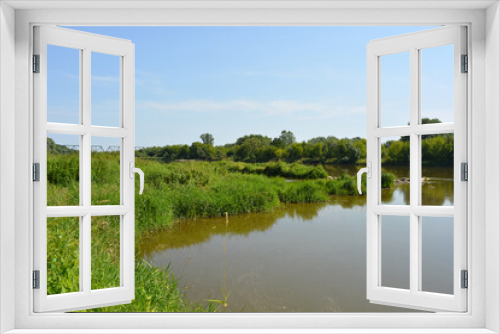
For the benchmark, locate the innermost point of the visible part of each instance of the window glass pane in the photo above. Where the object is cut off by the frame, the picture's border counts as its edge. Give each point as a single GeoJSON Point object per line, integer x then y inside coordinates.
{"type": "Point", "coordinates": [437, 254]}
{"type": "Point", "coordinates": [63, 85]}
{"type": "Point", "coordinates": [395, 178]}
{"type": "Point", "coordinates": [437, 82]}
{"type": "Point", "coordinates": [395, 89]}
{"type": "Point", "coordinates": [437, 169]}
{"type": "Point", "coordinates": [105, 171]}
{"type": "Point", "coordinates": [63, 255]}
{"type": "Point", "coordinates": [395, 251]}
{"type": "Point", "coordinates": [63, 170]}
{"type": "Point", "coordinates": [105, 235]}
{"type": "Point", "coordinates": [105, 90]}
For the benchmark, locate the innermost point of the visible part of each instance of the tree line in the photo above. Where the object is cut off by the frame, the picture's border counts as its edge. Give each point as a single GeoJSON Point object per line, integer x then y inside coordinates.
{"type": "Point", "coordinates": [258, 148]}
{"type": "Point", "coordinates": [437, 150]}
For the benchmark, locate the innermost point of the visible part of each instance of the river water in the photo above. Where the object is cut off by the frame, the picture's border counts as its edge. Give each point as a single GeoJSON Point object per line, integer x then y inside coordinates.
{"type": "Point", "coordinates": [305, 257]}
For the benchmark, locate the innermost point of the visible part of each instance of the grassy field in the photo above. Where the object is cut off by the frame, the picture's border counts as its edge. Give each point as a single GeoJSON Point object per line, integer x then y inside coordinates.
{"type": "Point", "coordinates": [172, 191]}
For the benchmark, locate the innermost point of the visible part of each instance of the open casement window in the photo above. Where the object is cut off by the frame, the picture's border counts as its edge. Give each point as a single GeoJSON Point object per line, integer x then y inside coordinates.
{"type": "Point", "coordinates": [403, 240]}
{"type": "Point", "coordinates": [65, 218]}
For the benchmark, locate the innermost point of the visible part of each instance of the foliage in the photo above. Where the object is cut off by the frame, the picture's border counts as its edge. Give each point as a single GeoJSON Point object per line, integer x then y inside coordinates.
{"type": "Point", "coordinates": [173, 191]}
{"type": "Point", "coordinates": [207, 138]}
{"type": "Point", "coordinates": [344, 185]}
{"type": "Point", "coordinates": [156, 290]}
{"type": "Point", "coordinates": [54, 148]}
{"type": "Point", "coordinates": [387, 180]}
{"type": "Point", "coordinates": [290, 171]}
{"type": "Point", "coordinates": [438, 150]}
{"type": "Point", "coordinates": [396, 153]}
{"type": "Point", "coordinates": [255, 148]}
{"type": "Point", "coordinates": [303, 192]}
{"type": "Point", "coordinates": [287, 138]}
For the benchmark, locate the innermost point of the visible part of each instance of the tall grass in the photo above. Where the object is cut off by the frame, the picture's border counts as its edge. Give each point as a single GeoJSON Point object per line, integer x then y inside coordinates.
{"type": "Point", "coordinates": [388, 180]}
{"type": "Point", "coordinates": [172, 191]}
{"type": "Point", "coordinates": [291, 171]}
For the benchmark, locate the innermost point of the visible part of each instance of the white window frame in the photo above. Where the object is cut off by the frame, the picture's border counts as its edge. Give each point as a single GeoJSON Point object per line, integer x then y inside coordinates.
{"type": "Point", "coordinates": [483, 314]}
{"type": "Point", "coordinates": [123, 50]}
{"type": "Point", "coordinates": [414, 296]}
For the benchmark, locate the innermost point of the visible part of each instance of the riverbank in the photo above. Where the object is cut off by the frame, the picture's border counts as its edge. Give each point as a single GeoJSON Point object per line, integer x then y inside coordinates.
{"type": "Point", "coordinates": [174, 191]}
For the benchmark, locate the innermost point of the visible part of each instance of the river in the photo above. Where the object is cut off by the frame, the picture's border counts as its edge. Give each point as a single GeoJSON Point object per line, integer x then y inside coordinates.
{"type": "Point", "coordinates": [305, 257]}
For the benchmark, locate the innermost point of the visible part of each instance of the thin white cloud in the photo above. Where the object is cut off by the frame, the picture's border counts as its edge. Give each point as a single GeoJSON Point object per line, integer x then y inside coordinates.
{"type": "Point", "coordinates": [276, 74]}
{"type": "Point", "coordinates": [152, 83]}
{"type": "Point", "coordinates": [105, 79]}
{"type": "Point", "coordinates": [98, 78]}
{"type": "Point", "coordinates": [289, 108]}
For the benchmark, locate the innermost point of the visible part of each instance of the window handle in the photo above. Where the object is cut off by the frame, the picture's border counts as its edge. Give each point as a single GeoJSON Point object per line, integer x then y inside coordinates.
{"type": "Point", "coordinates": [368, 171]}
{"type": "Point", "coordinates": [141, 176]}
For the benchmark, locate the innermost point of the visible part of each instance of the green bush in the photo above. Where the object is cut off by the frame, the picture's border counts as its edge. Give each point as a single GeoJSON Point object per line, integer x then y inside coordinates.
{"type": "Point", "coordinates": [388, 180]}
{"type": "Point", "coordinates": [303, 192]}
{"type": "Point", "coordinates": [172, 191]}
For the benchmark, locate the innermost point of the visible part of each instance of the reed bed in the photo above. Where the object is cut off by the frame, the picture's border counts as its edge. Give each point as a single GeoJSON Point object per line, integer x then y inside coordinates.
{"type": "Point", "coordinates": [173, 191]}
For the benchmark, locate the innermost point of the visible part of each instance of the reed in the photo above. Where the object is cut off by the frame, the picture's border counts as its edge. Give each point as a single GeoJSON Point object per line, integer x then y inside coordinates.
{"type": "Point", "coordinates": [173, 191]}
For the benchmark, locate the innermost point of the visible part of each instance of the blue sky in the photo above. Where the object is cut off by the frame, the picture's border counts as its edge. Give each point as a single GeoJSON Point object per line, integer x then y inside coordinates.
{"type": "Point", "coordinates": [232, 81]}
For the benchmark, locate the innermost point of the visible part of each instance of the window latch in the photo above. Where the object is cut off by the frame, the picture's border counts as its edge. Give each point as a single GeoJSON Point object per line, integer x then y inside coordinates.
{"type": "Point", "coordinates": [141, 175]}
{"type": "Point", "coordinates": [368, 171]}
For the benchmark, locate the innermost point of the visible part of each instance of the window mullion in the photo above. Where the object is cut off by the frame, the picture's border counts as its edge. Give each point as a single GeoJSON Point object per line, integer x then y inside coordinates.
{"type": "Point", "coordinates": [414, 169]}
{"type": "Point", "coordinates": [85, 176]}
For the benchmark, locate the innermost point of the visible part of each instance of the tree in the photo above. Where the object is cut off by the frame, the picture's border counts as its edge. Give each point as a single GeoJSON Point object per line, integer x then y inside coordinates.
{"type": "Point", "coordinates": [266, 153]}
{"type": "Point", "coordinates": [397, 153]}
{"type": "Point", "coordinates": [287, 137]}
{"type": "Point", "coordinates": [207, 138]}
{"type": "Point", "coordinates": [346, 152]}
{"type": "Point", "coordinates": [262, 140]}
{"type": "Point", "coordinates": [247, 151]}
{"type": "Point", "coordinates": [278, 143]}
{"type": "Point", "coordinates": [294, 152]}
{"type": "Point", "coordinates": [424, 121]}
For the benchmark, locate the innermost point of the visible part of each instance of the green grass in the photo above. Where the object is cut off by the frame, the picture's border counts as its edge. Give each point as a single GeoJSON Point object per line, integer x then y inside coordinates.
{"type": "Point", "coordinates": [291, 171]}
{"type": "Point", "coordinates": [172, 191]}
{"type": "Point", "coordinates": [387, 180]}
{"type": "Point", "coordinates": [157, 290]}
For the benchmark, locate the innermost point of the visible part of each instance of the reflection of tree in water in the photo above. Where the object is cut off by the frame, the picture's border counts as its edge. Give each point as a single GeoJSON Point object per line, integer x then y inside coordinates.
{"type": "Point", "coordinates": [387, 194]}
{"type": "Point", "coordinates": [434, 193]}
{"type": "Point", "coordinates": [307, 211]}
{"type": "Point", "coordinates": [436, 190]}
{"type": "Point", "coordinates": [188, 232]}
{"type": "Point", "coordinates": [349, 202]}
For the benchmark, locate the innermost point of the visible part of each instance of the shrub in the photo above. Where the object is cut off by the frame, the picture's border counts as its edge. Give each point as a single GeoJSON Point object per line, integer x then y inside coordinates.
{"type": "Point", "coordinates": [387, 180]}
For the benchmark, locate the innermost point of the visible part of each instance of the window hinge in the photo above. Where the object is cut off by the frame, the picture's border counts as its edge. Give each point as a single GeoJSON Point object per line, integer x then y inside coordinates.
{"type": "Point", "coordinates": [465, 64]}
{"type": "Point", "coordinates": [36, 279]}
{"type": "Point", "coordinates": [36, 63]}
{"type": "Point", "coordinates": [465, 279]}
{"type": "Point", "coordinates": [36, 172]}
{"type": "Point", "coordinates": [464, 171]}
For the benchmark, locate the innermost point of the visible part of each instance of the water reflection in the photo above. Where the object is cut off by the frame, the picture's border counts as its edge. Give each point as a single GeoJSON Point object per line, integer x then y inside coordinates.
{"type": "Point", "coordinates": [189, 232]}
{"type": "Point", "coordinates": [298, 258]}
{"type": "Point", "coordinates": [437, 188]}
